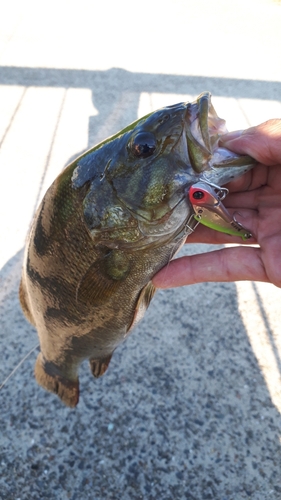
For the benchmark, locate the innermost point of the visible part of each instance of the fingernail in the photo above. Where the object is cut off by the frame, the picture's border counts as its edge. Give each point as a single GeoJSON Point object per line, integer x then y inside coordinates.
{"type": "Point", "coordinates": [230, 136]}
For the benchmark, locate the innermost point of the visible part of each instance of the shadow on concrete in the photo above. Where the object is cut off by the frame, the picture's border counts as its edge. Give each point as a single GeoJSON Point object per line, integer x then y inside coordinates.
{"type": "Point", "coordinates": [183, 412]}
{"type": "Point", "coordinates": [107, 81]}
{"type": "Point", "coordinates": [108, 86]}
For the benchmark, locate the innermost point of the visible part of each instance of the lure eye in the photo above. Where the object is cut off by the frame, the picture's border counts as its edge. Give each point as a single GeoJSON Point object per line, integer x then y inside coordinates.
{"type": "Point", "coordinates": [143, 145]}
{"type": "Point", "coordinates": [198, 195]}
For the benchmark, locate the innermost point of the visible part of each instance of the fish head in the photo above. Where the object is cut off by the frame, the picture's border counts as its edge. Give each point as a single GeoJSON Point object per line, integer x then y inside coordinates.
{"type": "Point", "coordinates": [139, 179]}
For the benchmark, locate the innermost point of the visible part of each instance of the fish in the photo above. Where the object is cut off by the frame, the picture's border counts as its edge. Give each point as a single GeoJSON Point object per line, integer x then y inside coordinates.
{"type": "Point", "coordinates": [108, 223]}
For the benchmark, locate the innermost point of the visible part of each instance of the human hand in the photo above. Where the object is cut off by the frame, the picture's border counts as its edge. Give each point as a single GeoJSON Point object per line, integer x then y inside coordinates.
{"type": "Point", "coordinates": [256, 197]}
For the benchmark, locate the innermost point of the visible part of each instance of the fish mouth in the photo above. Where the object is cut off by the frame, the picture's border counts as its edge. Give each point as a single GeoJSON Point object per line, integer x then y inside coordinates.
{"type": "Point", "coordinates": [203, 129]}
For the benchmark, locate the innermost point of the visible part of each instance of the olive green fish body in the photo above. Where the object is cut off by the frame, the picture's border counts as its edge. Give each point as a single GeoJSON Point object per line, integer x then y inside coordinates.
{"type": "Point", "coordinates": [108, 223]}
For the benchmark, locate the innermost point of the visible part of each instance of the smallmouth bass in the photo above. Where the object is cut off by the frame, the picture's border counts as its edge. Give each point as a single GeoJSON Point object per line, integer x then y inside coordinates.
{"type": "Point", "coordinates": [109, 222]}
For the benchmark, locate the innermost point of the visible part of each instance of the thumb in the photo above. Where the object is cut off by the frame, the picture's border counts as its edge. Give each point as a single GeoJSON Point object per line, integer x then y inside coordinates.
{"type": "Point", "coordinates": [261, 142]}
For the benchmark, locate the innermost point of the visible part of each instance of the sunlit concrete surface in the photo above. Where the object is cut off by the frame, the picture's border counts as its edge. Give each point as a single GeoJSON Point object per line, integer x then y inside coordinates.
{"type": "Point", "coordinates": [190, 407]}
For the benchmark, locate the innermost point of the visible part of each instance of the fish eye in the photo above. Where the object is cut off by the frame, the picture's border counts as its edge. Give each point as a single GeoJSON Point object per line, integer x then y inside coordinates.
{"type": "Point", "coordinates": [143, 145]}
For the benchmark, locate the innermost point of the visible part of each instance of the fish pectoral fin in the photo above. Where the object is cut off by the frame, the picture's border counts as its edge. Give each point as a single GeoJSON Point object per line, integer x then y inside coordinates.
{"type": "Point", "coordinates": [142, 303]}
{"type": "Point", "coordinates": [95, 288]}
{"type": "Point", "coordinates": [103, 278]}
{"type": "Point", "coordinates": [99, 366]}
{"type": "Point", "coordinates": [66, 389]}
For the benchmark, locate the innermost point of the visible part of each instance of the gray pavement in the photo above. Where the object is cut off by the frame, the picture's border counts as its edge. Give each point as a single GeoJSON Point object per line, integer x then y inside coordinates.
{"type": "Point", "coordinates": [190, 406]}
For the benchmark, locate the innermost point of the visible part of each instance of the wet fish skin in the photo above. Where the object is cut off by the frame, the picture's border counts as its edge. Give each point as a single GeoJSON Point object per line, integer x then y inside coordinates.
{"type": "Point", "coordinates": [108, 223]}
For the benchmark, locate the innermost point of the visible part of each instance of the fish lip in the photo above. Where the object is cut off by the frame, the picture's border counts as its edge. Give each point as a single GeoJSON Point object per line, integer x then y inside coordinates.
{"type": "Point", "coordinates": [196, 131]}
{"type": "Point", "coordinates": [202, 130]}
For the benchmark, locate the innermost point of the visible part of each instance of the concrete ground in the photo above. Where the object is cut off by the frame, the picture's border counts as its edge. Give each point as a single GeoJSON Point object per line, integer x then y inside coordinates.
{"type": "Point", "coordinates": [190, 407]}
